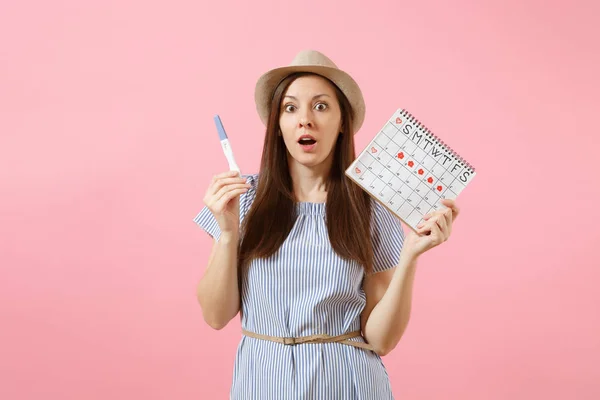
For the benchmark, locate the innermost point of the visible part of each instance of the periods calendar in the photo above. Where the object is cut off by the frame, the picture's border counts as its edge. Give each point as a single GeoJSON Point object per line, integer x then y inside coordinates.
{"type": "Point", "coordinates": [410, 170]}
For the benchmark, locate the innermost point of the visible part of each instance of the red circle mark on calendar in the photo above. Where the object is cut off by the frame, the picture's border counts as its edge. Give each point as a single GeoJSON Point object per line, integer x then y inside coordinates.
{"type": "Point", "coordinates": [411, 164]}
{"type": "Point", "coordinates": [398, 120]}
{"type": "Point", "coordinates": [401, 155]}
{"type": "Point", "coordinates": [421, 172]}
{"type": "Point", "coordinates": [439, 188]}
{"type": "Point", "coordinates": [430, 180]}
{"type": "Point", "coordinates": [357, 170]}
{"type": "Point", "coordinates": [373, 150]}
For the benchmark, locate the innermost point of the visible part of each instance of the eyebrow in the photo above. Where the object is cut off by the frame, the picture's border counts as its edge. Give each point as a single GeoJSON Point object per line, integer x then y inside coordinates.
{"type": "Point", "coordinates": [319, 95]}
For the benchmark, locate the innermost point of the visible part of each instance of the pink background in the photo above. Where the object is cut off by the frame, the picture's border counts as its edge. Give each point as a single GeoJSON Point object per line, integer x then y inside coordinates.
{"type": "Point", "coordinates": [107, 145]}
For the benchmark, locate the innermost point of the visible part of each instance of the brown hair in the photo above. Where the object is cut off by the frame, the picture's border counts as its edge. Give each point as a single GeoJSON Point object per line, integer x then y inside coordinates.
{"type": "Point", "coordinates": [272, 213]}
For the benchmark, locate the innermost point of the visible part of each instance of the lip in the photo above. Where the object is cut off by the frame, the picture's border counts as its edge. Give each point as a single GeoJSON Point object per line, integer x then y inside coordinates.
{"type": "Point", "coordinates": [307, 147]}
{"type": "Point", "coordinates": [306, 136]}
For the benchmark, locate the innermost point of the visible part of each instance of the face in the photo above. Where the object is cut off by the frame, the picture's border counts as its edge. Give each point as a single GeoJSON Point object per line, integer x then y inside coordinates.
{"type": "Point", "coordinates": [310, 120]}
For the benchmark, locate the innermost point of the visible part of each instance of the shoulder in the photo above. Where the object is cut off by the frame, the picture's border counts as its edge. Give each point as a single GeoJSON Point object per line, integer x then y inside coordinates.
{"type": "Point", "coordinates": [379, 211]}
{"type": "Point", "coordinates": [387, 236]}
{"type": "Point", "coordinates": [383, 220]}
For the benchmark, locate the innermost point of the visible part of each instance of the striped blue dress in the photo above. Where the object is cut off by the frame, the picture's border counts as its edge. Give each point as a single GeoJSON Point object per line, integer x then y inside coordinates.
{"type": "Point", "coordinates": [305, 288]}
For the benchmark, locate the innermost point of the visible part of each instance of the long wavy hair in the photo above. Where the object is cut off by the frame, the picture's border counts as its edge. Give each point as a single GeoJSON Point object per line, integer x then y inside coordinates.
{"type": "Point", "coordinates": [273, 213]}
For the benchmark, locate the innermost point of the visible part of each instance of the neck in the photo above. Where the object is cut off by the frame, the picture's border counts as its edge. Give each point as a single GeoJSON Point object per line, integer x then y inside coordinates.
{"type": "Point", "coordinates": [309, 182]}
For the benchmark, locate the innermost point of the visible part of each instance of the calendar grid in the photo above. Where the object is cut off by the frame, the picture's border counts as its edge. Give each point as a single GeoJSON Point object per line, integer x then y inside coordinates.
{"type": "Point", "coordinates": [407, 187]}
{"type": "Point", "coordinates": [433, 158]}
{"type": "Point", "coordinates": [410, 137]}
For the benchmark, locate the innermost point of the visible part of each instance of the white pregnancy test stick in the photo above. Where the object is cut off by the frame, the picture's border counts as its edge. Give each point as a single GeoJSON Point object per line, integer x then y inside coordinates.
{"type": "Point", "coordinates": [226, 146]}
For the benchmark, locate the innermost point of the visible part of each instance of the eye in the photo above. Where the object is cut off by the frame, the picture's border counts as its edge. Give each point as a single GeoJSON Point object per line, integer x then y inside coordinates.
{"type": "Point", "coordinates": [289, 107]}
{"type": "Point", "coordinates": [321, 106]}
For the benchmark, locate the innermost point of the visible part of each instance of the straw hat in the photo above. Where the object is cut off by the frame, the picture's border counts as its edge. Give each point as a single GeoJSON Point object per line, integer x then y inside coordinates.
{"type": "Point", "coordinates": [318, 63]}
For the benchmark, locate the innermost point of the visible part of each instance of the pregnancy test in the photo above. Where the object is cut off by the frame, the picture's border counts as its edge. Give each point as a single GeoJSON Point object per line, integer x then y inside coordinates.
{"type": "Point", "coordinates": [226, 146]}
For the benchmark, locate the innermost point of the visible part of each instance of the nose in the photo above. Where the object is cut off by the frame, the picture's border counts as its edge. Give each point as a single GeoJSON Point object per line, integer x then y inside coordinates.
{"type": "Point", "coordinates": [305, 121]}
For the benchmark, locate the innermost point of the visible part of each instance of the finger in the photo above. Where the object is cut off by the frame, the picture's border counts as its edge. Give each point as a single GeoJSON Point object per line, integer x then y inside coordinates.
{"type": "Point", "coordinates": [227, 188]}
{"type": "Point", "coordinates": [432, 231]}
{"type": "Point", "coordinates": [441, 223]}
{"type": "Point", "coordinates": [224, 175]}
{"type": "Point", "coordinates": [447, 215]}
{"type": "Point", "coordinates": [437, 223]}
{"type": "Point", "coordinates": [437, 236]}
{"type": "Point", "coordinates": [452, 205]}
{"type": "Point", "coordinates": [433, 213]}
{"type": "Point", "coordinates": [444, 222]}
{"type": "Point", "coordinates": [428, 216]}
{"type": "Point", "coordinates": [425, 227]}
{"type": "Point", "coordinates": [449, 219]}
{"type": "Point", "coordinates": [224, 182]}
{"type": "Point", "coordinates": [222, 202]}
{"type": "Point", "coordinates": [449, 202]}
{"type": "Point", "coordinates": [218, 205]}
{"type": "Point", "coordinates": [211, 197]}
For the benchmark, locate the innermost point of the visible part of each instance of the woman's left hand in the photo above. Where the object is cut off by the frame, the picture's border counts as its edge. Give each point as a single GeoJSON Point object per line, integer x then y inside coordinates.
{"type": "Point", "coordinates": [435, 230]}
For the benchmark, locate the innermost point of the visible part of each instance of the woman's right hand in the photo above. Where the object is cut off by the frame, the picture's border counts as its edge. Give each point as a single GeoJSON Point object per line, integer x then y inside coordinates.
{"type": "Point", "coordinates": [223, 199]}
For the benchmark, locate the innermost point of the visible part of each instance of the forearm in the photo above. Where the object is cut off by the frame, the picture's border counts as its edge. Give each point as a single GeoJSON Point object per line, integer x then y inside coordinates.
{"type": "Point", "coordinates": [218, 289]}
{"type": "Point", "coordinates": [389, 318]}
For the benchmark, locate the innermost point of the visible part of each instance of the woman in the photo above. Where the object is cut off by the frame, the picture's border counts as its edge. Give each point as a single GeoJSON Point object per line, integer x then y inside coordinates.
{"type": "Point", "coordinates": [321, 273]}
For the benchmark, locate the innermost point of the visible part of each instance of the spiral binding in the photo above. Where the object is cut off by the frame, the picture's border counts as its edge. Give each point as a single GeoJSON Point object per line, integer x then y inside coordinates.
{"type": "Point", "coordinates": [437, 140]}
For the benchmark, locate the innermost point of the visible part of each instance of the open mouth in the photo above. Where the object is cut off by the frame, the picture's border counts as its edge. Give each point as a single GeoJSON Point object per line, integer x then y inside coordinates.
{"type": "Point", "coordinates": [307, 141]}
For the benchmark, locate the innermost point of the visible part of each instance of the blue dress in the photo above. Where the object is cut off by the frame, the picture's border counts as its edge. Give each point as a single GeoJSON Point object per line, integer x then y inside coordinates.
{"type": "Point", "coordinates": [305, 288]}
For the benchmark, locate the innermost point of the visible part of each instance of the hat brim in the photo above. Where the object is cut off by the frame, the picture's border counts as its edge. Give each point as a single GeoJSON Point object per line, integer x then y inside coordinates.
{"type": "Point", "coordinates": [266, 84]}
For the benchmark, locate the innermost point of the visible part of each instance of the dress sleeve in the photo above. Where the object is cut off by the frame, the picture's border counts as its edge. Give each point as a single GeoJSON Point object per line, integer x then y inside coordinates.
{"type": "Point", "coordinates": [387, 237]}
{"type": "Point", "coordinates": [206, 220]}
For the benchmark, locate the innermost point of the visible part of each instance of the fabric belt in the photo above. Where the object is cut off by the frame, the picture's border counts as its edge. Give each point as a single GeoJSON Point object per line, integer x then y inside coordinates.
{"type": "Point", "coordinates": [320, 338]}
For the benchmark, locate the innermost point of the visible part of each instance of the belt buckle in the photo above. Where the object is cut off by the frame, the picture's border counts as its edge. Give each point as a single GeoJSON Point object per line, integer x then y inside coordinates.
{"type": "Point", "coordinates": [291, 341]}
